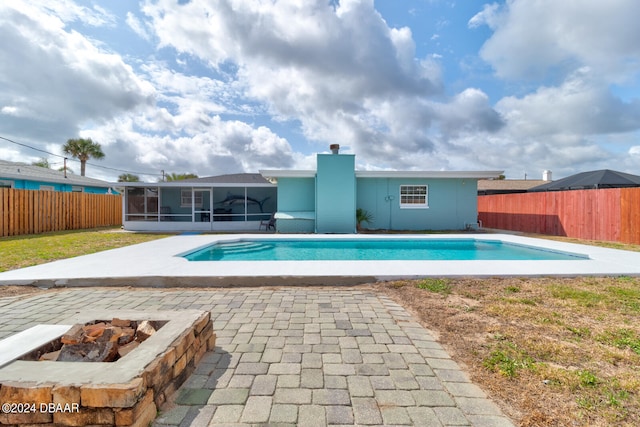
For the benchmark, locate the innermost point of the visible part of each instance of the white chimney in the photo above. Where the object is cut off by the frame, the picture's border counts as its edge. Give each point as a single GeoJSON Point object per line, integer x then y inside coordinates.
{"type": "Point", "coordinates": [546, 175]}
{"type": "Point", "coordinates": [335, 148]}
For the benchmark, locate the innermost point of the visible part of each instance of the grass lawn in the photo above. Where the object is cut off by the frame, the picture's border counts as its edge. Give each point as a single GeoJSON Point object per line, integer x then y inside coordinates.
{"type": "Point", "coordinates": [23, 251]}
{"type": "Point", "coordinates": [551, 351]}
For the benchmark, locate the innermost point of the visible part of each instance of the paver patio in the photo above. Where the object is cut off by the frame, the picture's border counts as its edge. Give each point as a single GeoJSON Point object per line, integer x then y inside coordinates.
{"type": "Point", "coordinates": [294, 356]}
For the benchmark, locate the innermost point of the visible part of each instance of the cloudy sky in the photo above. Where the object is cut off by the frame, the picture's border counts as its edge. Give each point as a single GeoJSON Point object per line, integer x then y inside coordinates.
{"type": "Point", "coordinates": [224, 86]}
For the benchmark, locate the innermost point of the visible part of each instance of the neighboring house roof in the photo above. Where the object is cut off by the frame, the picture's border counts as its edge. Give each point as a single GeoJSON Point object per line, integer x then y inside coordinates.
{"type": "Point", "coordinates": [13, 170]}
{"type": "Point", "coordinates": [604, 178]}
{"type": "Point", "coordinates": [232, 178]}
{"type": "Point", "coordinates": [228, 180]}
{"type": "Point", "coordinates": [503, 186]}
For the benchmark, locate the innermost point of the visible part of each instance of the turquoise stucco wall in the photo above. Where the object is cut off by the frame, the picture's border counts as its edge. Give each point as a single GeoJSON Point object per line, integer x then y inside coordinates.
{"type": "Point", "coordinates": [23, 184]}
{"type": "Point", "coordinates": [296, 195]}
{"type": "Point", "coordinates": [452, 203]}
{"type": "Point", "coordinates": [336, 193]}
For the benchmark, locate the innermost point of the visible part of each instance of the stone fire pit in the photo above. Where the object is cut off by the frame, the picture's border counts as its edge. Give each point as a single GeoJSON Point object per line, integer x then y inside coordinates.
{"type": "Point", "coordinates": [126, 392]}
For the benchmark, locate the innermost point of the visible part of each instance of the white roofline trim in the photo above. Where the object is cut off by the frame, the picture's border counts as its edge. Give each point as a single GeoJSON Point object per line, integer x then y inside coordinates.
{"type": "Point", "coordinates": [429, 174]}
{"type": "Point", "coordinates": [277, 173]}
{"type": "Point", "coordinates": [174, 184]}
{"type": "Point", "coordinates": [388, 174]}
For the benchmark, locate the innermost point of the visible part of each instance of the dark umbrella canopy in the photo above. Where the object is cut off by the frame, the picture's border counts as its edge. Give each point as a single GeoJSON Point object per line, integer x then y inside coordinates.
{"type": "Point", "coordinates": [604, 178]}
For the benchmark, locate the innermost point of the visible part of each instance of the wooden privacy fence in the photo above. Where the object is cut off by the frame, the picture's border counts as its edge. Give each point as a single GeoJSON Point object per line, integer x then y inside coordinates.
{"type": "Point", "coordinates": [32, 212]}
{"type": "Point", "coordinates": [611, 214]}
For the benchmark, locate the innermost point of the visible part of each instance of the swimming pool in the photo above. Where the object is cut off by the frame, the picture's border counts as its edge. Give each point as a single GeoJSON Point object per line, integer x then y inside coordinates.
{"type": "Point", "coordinates": [373, 249]}
{"type": "Point", "coordinates": [161, 263]}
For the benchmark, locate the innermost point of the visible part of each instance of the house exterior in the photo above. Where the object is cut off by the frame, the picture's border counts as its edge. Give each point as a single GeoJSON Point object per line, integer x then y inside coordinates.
{"type": "Point", "coordinates": [591, 180]}
{"type": "Point", "coordinates": [23, 176]}
{"type": "Point", "coordinates": [507, 186]}
{"type": "Point", "coordinates": [325, 200]}
{"type": "Point", "coordinates": [235, 202]}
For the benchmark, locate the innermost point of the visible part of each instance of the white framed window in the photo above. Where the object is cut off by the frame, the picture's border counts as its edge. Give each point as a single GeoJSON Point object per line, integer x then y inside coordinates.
{"type": "Point", "coordinates": [47, 187]}
{"type": "Point", "coordinates": [77, 189]}
{"type": "Point", "coordinates": [185, 198]}
{"type": "Point", "coordinates": [6, 183]}
{"type": "Point", "coordinates": [414, 196]}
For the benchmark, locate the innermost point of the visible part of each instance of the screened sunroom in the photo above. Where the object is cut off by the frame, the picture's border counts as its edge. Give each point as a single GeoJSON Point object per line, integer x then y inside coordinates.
{"type": "Point", "coordinates": [239, 202]}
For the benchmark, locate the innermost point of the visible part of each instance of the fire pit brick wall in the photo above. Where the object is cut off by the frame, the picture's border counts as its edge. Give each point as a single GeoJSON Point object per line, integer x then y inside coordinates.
{"type": "Point", "coordinates": [132, 404]}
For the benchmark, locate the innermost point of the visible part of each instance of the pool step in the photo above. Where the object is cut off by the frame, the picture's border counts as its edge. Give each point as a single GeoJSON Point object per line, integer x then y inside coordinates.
{"type": "Point", "coordinates": [243, 247]}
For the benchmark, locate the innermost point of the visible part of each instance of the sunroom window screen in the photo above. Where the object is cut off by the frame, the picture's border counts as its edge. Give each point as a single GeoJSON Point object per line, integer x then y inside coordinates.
{"type": "Point", "coordinates": [185, 198]}
{"type": "Point", "coordinates": [413, 196]}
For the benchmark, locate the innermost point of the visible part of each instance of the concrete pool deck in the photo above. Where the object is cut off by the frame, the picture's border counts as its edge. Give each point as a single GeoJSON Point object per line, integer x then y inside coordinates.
{"type": "Point", "coordinates": [158, 264]}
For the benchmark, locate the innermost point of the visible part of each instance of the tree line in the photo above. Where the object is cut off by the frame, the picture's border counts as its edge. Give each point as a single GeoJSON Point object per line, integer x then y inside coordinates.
{"type": "Point", "coordinates": [84, 149]}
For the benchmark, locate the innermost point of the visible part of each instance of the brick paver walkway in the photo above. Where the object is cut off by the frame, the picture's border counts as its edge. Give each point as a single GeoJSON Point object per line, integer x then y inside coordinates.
{"type": "Point", "coordinates": [295, 356]}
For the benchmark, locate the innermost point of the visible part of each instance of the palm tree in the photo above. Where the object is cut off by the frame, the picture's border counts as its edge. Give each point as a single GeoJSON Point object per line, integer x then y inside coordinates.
{"type": "Point", "coordinates": [363, 216]}
{"type": "Point", "coordinates": [43, 163]}
{"type": "Point", "coordinates": [66, 169]}
{"type": "Point", "coordinates": [128, 177]}
{"type": "Point", "coordinates": [83, 149]}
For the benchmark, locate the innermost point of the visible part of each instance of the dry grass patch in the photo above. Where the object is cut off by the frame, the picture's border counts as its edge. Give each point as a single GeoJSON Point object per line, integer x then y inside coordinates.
{"type": "Point", "coordinates": [552, 351]}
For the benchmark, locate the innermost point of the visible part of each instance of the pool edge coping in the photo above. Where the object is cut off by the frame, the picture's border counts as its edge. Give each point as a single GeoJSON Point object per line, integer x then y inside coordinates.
{"type": "Point", "coordinates": [155, 264]}
{"type": "Point", "coordinates": [397, 237]}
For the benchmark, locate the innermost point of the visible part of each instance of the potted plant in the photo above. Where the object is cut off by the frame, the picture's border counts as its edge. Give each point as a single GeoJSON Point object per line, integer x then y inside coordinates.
{"type": "Point", "coordinates": [362, 216]}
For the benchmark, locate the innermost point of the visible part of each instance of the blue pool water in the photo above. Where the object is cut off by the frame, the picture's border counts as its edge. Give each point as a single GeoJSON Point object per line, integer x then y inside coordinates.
{"type": "Point", "coordinates": [373, 249]}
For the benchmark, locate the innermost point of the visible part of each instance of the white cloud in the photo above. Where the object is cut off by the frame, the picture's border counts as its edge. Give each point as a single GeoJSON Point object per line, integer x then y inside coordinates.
{"type": "Point", "coordinates": [63, 80]}
{"type": "Point", "coordinates": [137, 26]}
{"type": "Point", "coordinates": [488, 16]}
{"type": "Point", "coordinates": [158, 119]}
{"type": "Point", "coordinates": [69, 11]}
{"type": "Point", "coordinates": [534, 38]}
{"type": "Point", "coordinates": [579, 106]}
{"type": "Point", "coordinates": [10, 110]}
{"type": "Point", "coordinates": [224, 146]}
{"type": "Point", "coordinates": [570, 53]}
{"type": "Point", "coordinates": [340, 71]}
{"type": "Point", "coordinates": [323, 72]}
{"type": "Point", "coordinates": [469, 111]}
